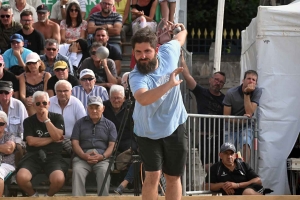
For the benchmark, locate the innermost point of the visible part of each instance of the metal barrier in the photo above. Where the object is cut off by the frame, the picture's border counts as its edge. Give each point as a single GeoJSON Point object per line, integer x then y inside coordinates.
{"type": "Point", "coordinates": [206, 134]}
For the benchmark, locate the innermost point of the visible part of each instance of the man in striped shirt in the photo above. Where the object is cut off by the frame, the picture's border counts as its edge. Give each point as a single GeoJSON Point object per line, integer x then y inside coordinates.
{"type": "Point", "coordinates": [88, 88]}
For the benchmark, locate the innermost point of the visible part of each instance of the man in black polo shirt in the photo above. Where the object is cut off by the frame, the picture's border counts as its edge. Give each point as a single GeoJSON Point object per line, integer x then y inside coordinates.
{"type": "Point", "coordinates": [61, 72]}
{"type": "Point", "coordinates": [231, 176]}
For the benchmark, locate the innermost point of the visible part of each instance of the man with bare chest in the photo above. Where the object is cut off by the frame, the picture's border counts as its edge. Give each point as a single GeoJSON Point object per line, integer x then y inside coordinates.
{"type": "Point", "coordinates": [48, 28]}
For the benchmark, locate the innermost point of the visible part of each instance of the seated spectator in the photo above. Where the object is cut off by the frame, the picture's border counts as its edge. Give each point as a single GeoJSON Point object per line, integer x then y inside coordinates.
{"type": "Point", "coordinates": [33, 3]}
{"type": "Point", "coordinates": [61, 73]}
{"type": "Point", "coordinates": [69, 107]}
{"type": "Point", "coordinates": [51, 56]}
{"type": "Point", "coordinates": [58, 11]}
{"type": "Point", "coordinates": [107, 19]}
{"type": "Point", "coordinates": [98, 8]}
{"type": "Point", "coordinates": [33, 39]}
{"type": "Point", "coordinates": [73, 27]}
{"type": "Point", "coordinates": [43, 133]}
{"type": "Point", "coordinates": [92, 156]}
{"type": "Point", "coordinates": [167, 8]}
{"type": "Point", "coordinates": [21, 5]}
{"type": "Point", "coordinates": [16, 112]}
{"type": "Point", "coordinates": [8, 76]}
{"type": "Point", "coordinates": [104, 69]}
{"type": "Point", "coordinates": [48, 28]}
{"type": "Point", "coordinates": [123, 8]}
{"type": "Point", "coordinates": [33, 79]}
{"type": "Point", "coordinates": [76, 52]}
{"type": "Point", "coordinates": [7, 27]}
{"type": "Point", "coordinates": [231, 176]}
{"type": "Point", "coordinates": [17, 54]}
{"type": "Point", "coordinates": [7, 147]}
{"type": "Point", "coordinates": [101, 35]}
{"type": "Point", "coordinates": [115, 109]}
{"type": "Point", "coordinates": [88, 88]}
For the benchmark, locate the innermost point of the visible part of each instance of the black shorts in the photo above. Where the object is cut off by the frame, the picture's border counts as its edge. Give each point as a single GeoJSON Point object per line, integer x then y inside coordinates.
{"type": "Point", "coordinates": [168, 154]}
{"type": "Point", "coordinates": [255, 187]}
{"type": "Point", "coordinates": [53, 162]}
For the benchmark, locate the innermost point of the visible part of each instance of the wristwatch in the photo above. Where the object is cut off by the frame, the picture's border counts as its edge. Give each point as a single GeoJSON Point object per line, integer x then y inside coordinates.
{"type": "Point", "coordinates": [246, 93]}
{"type": "Point", "coordinates": [104, 158]}
{"type": "Point", "coordinates": [63, 6]}
{"type": "Point", "coordinates": [47, 120]}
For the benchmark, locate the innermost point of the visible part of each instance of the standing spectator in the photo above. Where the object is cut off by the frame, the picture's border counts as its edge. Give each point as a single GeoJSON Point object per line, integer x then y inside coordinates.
{"type": "Point", "coordinates": [82, 8]}
{"type": "Point", "coordinates": [69, 107]}
{"type": "Point", "coordinates": [73, 27]}
{"type": "Point", "coordinates": [51, 56]}
{"type": "Point", "coordinates": [5, 75]}
{"type": "Point", "coordinates": [104, 69]}
{"type": "Point", "coordinates": [7, 27]}
{"type": "Point", "coordinates": [33, 3]}
{"type": "Point", "coordinates": [21, 5]}
{"type": "Point", "coordinates": [88, 88]}
{"type": "Point", "coordinates": [7, 147]}
{"type": "Point", "coordinates": [168, 8]}
{"type": "Point", "coordinates": [93, 140]}
{"type": "Point", "coordinates": [101, 35]}
{"type": "Point", "coordinates": [33, 39]}
{"type": "Point", "coordinates": [43, 132]}
{"type": "Point", "coordinates": [61, 72]}
{"type": "Point", "coordinates": [242, 101]}
{"type": "Point", "coordinates": [33, 79]}
{"type": "Point", "coordinates": [58, 11]}
{"type": "Point", "coordinates": [17, 54]}
{"type": "Point", "coordinates": [48, 28]}
{"type": "Point", "coordinates": [107, 19]}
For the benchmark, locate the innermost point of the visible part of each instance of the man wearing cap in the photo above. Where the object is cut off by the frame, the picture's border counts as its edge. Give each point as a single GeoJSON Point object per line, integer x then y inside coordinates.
{"type": "Point", "coordinates": [69, 107]}
{"type": "Point", "coordinates": [88, 87]}
{"type": "Point", "coordinates": [7, 27]}
{"type": "Point", "coordinates": [61, 72]}
{"type": "Point", "coordinates": [48, 28]}
{"type": "Point", "coordinates": [33, 39]}
{"type": "Point", "coordinates": [231, 176]}
{"type": "Point", "coordinates": [19, 6]}
{"type": "Point", "coordinates": [92, 156]}
{"type": "Point", "coordinates": [43, 133]}
{"type": "Point", "coordinates": [59, 9]}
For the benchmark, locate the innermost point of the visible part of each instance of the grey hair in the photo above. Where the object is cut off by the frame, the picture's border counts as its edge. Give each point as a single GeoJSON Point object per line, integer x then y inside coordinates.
{"type": "Point", "coordinates": [3, 116]}
{"type": "Point", "coordinates": [40, 94]}
{"type": "Point", "coordinates": [51, 41]}
{"type": "Point", "coordinates": [95, 45]}
{"type": "Point", "coordinates": [117, 88]}
{"type": "Point", "coordinates": [6, 7]}
{"type": "Point", "coordinates": [63, 82]}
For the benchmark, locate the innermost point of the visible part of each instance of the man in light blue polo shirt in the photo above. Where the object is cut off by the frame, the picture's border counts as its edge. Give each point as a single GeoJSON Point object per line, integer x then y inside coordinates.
{"type": "Point", "coordinates": [159, 113]}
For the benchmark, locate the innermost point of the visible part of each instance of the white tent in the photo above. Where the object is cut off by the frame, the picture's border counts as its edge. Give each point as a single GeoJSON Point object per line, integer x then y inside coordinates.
{"type": "Point", "coordinates": [271, 46]}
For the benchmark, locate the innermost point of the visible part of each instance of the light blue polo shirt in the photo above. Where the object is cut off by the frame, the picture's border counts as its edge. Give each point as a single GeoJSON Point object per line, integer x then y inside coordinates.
{"type": "Point", "coordinates": [161, 118]}
{"type": "Point", "coordinates": [10, 59]}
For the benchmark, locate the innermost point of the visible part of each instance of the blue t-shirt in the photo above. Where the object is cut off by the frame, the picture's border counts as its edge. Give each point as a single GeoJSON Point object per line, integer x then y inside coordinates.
{"type": "Point", "coordinates": [11, 60]}
{"type": "Point", "coordinates": [161, 118]}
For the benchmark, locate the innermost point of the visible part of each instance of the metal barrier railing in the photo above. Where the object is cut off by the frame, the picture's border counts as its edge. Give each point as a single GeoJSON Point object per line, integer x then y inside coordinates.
{"type": "Point", "coordinates": [206, 134]}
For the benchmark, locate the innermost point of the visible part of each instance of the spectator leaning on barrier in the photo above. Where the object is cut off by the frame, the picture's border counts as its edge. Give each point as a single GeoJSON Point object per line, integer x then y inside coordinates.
{"type": "Point", "coordinates": [92, 156]}
{"type": "Point", "coordinates": [7, 27]}
{"type": "Point", "coordinates": [242, 101]}
{"type": "Point", "coordinates": [43, 133]}
{"type": "Point", "coordinates": [69, 107]}
{"type": "Point", "coordinates": [231, 176]}
{"type": "Point", "coordinates": [21, 5]}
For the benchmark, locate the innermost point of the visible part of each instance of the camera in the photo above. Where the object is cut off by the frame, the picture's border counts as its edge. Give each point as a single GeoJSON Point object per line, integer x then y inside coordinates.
{"type": "Point", "coordinates": [42, 155]}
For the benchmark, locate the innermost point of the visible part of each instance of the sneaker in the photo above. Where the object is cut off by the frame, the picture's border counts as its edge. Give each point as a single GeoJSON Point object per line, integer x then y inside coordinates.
{"type": "Point", "coordinates": [119, 190]}
{"type": "Point", "coordinates": [36, 194]}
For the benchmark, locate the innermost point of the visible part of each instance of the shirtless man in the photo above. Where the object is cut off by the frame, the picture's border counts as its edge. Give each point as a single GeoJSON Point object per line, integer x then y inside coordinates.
{"type": "Point", "coordinates": [48, 28]}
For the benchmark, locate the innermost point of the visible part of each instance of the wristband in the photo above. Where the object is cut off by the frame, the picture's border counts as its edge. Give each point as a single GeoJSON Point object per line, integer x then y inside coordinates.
{"type": "Point", "coordinates": [246, 93]}
{"type": "Point", "coordinates": [63, 6]}
{"type": "Point", "coordinates": [47, 120]}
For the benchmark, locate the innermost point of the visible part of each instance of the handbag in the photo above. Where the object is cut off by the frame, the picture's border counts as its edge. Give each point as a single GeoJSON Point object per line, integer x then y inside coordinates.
{"type": "Point", "coordinates": [123, 159]}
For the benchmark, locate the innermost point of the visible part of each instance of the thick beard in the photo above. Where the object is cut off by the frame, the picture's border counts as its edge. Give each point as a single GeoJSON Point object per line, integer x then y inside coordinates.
{"type": "Point", "coordinates": [26, 27]}
{"type": "Point", "coordinates": [146, 68]}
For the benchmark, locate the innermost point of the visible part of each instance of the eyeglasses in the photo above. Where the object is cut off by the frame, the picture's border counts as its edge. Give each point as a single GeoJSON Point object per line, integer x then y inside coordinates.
{"type": "Point", "coordinates": [87, 79]}
{"type": "Point", "coordinates": [31, 63]}
{"type": "Point", "coordinates": [106, 4]}
{"type": "Point", "coordinates": [60, 69]}
{"type": "Point", "coordinates": [74, 10]}
{"type": "Point", "coordinates": [39, 103]}
{"type": "Point", "coordinates": [5, 16]}
{"type": "Point", "coordinates": [27, 21]}
{"type": "Point", "coordinates": [51, 49]}
{"type": "Point", "coordinates": [3, 91]}
{"type": "Point", "coordinates": [1, 64]}
{"type": "Point", "coordinates": [2, 123]}
{"type": "Point", "coordinates": [62, 91]}
{"type": "Point", "coordinates": [93, 53]}
{"type": "Point", "coordinates": [219, 81]}
{"type": "Point", "coordinates": [116, 98]}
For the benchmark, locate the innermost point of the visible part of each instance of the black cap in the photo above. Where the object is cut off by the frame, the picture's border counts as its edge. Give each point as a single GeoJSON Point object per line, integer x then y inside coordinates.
{"type": "Point", "coordinates": [42, 8]}
{"type": "Point", "coordinates": [6, 86]}
{"type": "Point", "coordinates": [227, 146]}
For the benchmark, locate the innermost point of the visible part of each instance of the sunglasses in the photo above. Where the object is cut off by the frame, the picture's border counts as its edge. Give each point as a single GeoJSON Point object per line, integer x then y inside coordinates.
{"type": "Point", "coordinates": [87, 79]}
{"type": "Point", "coordinates": [93, 53]}
{"type": "Point", "coordinates": [1, 64]}
{"type": "Point", "coordinates": [31, 63]}
{"type": "Point", "coordinates": [60, 70]}
{"type": "Point", "coordinates": [49, 49]}
{"type": "Point", "coordinates": [2, 123]}
{"type": "Point", "coordinates": [74, 10]}
{"type": "Point", "coordinates": [3, 91]}
{"type": "Point", "coordinates": [5, 16]}
{"type": "Point", "coordinates": [39, 103]}
{"type": "Point", "coordinates": [26, 21]}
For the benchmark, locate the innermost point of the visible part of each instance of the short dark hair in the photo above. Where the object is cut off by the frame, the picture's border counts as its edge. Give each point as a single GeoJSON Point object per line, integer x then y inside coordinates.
{"type": "Point", "coordinates": [26, 13]}
{"type": "Point", "coordinates": [68, 17]}
{"type": "Point", "coordinates": [221, 73]}
{"type": "Point", "coordinates": [144, 35]}
{"type": "Point", "coordinates": [250, 72]}
{"type": "Point", "coordinates": [101, 29]}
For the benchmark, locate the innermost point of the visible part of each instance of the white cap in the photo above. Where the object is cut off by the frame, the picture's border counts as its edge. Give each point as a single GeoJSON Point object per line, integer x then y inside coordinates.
{"type": "Point", "coordinates": [86, 72]}
{"type": "Point", "coordinates": [32, 57]}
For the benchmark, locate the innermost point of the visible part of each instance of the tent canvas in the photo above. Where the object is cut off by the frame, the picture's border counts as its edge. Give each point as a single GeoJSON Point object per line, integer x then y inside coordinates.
{"type": "Point", "coordinates": [270, 45]}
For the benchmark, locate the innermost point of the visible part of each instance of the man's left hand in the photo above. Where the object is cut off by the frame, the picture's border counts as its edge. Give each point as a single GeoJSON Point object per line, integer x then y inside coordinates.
{"type": "Point", "coordinates": [230, 185]}
{"type": "Point", "coordinates": [44, 114]}
{"type": "Point", "coordinates": [250, 88]}
{"type": "Point", "coordinates": [173, 75]}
